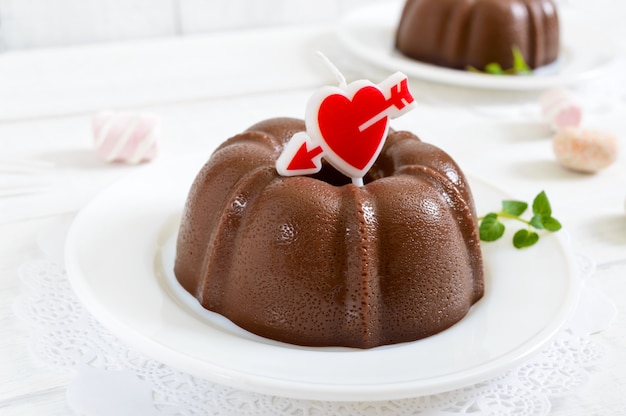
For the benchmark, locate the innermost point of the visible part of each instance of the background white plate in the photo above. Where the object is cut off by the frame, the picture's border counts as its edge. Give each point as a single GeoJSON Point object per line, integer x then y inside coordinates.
{"type": "Point", "coordinates": [119, 245]}
{"type": "Point", "coordinates": [369, 34]}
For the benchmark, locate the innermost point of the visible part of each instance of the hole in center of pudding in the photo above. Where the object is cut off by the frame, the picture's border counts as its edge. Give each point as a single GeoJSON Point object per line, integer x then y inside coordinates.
{"type": "Point", "coordinates": [332, 176]}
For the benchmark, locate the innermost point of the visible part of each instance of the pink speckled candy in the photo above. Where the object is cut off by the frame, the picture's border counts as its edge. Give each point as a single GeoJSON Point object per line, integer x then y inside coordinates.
{"type": "Point", "coordinates": [585, 150]}
{"type": "Point", "coordinates": [560, 109]}
{"type": "Point", "coordinates": [126, 137]}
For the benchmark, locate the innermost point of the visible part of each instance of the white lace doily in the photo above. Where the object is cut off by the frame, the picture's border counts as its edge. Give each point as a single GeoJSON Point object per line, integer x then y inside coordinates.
{"type": "Point", "coordinates": [112, 379]}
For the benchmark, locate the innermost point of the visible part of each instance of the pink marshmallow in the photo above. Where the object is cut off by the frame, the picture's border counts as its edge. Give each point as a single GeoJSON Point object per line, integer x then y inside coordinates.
{"type": "Point", "coordinates": [126, 137]}
{"type": "Point", "coordinates": [585, 150]}
{"type": "Point", "coordinates": [560, 109]}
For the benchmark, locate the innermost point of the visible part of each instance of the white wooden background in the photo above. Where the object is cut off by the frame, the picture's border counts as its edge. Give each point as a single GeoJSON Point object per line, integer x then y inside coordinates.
{"type": "Point", "coordinates": [45, 23]}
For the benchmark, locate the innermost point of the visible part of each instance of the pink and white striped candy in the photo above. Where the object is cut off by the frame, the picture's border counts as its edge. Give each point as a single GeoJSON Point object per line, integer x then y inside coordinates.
{"type": "Point", "coordinates": [561, 109]}
{"type": "Point", "coordinates": [126, 137]}
{"type": "Point", "coordinates": [585, 150]}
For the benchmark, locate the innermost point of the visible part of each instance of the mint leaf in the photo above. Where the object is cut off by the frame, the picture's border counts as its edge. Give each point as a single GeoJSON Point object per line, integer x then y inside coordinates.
{"type": "Point", "coordinates": [470, 68]}
{"type": "Point", "coordinates": [494, 69]}
{"type": "Point", "coordinates": [524, 238]}
{"type": "Point", "coordinates": [551, 224]}
{"type": "Point", "coordinates": [519, 64]}
{"type": "Point", "coordinates": [515, 208]}
{"type": "Point", "coordinates": [541, 205]}
{"type": "Point", "coordinates": [537, 221]}
{"type": "Point", "coordinates": [520, 67]}
{"type": "Point", "coordinates": [491, 228]}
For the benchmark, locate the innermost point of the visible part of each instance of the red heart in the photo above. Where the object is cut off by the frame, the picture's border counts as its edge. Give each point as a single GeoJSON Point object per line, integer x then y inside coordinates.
{"type": "Point", "coordinates": [339, 118]}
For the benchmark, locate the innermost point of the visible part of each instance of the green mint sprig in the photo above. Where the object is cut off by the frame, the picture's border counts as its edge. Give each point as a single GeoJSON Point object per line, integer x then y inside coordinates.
{"type": "Point", "coordinates": [520, 67]}
{"type": "Point", "coordinates": [491, 227]}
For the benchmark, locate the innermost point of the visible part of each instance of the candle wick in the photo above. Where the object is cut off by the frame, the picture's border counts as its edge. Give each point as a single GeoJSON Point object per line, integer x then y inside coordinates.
{"type": "Point", "coordinates": [358, 182]}
{"type": "Point", "coordinates": [333, 69]}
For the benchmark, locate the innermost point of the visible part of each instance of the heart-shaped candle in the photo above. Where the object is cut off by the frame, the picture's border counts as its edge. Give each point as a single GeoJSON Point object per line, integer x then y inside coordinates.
{"type": "Point", "coordinates": [347, 125]}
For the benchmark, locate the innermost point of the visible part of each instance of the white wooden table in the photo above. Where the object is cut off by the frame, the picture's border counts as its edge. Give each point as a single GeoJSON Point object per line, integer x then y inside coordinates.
{"type": "Point", "coordinates": [207, 88]}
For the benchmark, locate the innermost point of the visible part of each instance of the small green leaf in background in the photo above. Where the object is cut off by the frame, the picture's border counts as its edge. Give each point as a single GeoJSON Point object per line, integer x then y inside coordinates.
{"type": "Point", "coordinates": [516, 208]}
{"type": "Point", "coordinates": [537, 221]}
{"type": "Point", "coordinates": [494, 69]}
{"type": "Point", "coordinates": [524, 238]}
{"type": "Point", "coordinates": [520, 67]}
{"type": "Point", "coordinates": [519, 64]}
{"type": "Point", "coordinates": [551, 224]}
{"type": "Point", "coordinates": [491, 228]}
{"type": "Point", "coordinates": [541, 205]}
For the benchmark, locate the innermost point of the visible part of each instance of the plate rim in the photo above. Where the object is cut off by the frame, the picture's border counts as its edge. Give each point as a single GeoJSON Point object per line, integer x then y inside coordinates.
{"type": "Point", "coordinates": [275, 386]}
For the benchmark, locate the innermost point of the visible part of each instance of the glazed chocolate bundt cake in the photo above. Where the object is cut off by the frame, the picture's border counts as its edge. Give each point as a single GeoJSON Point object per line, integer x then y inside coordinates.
{"type": "Point", "coordinates": [462, 33]}
{"type": "Point", "coordinates": [318, 261]}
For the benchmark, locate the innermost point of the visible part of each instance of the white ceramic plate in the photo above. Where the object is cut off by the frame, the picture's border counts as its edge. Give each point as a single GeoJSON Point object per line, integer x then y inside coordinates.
{"type": "Point", "coordinates": [369, 34]}
{"type": "Point", "coordinates": [119, 255]}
